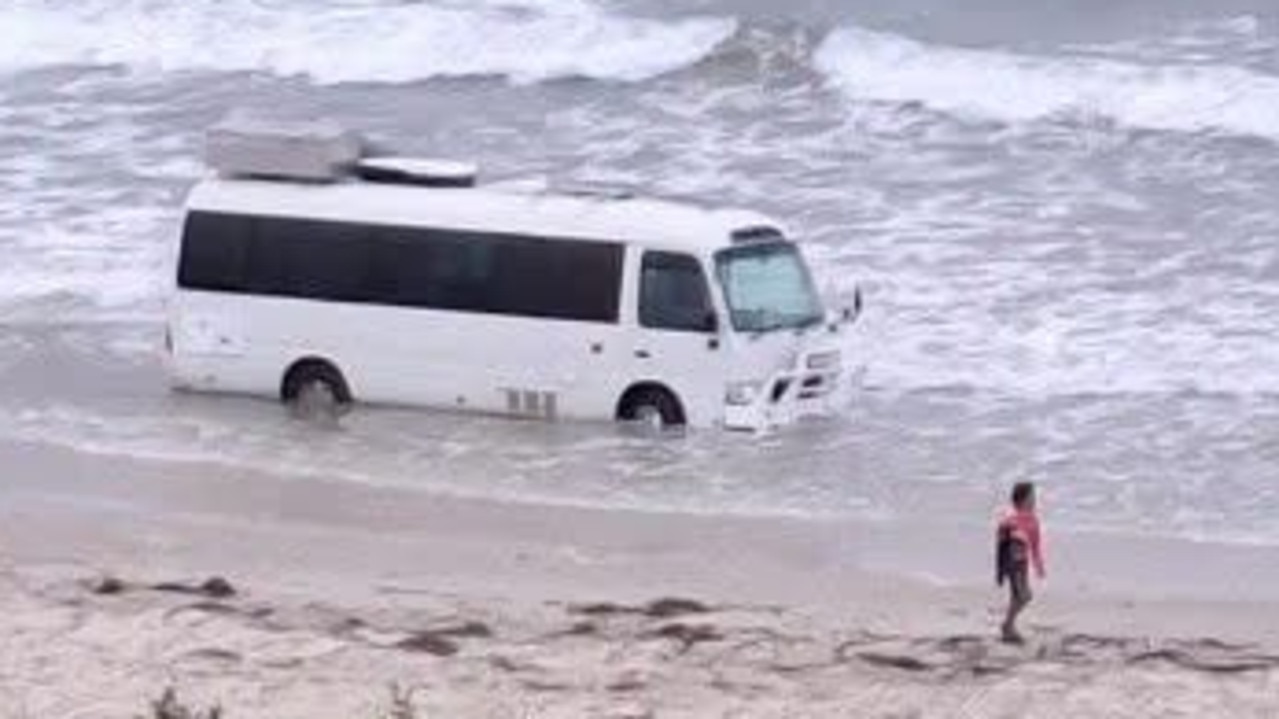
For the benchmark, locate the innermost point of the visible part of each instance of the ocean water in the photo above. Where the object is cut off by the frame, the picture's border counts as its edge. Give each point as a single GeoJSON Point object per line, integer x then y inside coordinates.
{"type": "Point", "coordinates": [1063, 216]}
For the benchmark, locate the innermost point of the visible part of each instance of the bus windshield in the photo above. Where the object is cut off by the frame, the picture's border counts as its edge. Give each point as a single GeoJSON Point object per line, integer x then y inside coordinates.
{"type": "Point", "coordinates": [767, 287]}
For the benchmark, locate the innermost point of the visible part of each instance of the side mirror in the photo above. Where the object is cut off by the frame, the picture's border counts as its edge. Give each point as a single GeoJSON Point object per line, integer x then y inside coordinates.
{"type": "Point", "coordinates": [850, 314]}
{"type": "Point", "coordinates": [710, 323]}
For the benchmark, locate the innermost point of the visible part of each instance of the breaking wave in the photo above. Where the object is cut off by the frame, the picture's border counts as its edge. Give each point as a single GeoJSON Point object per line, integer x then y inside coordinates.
{"type": "Point", "coordinates": [383, 41]}
{"type": "Point", "coordinates": [1009, 87]}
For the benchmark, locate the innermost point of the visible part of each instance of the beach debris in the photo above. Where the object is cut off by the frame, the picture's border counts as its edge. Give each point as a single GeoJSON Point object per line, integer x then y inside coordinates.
{"type": "Point", "coordinates": [686, 634]}
{"type": "Point", "coordinates": [441, 641]}
{"type": "Point", "coordinates": [538, 685]}
{"type": "Point", "coordinates": [1213, 643]}
{"type": "Point", "coordinates": [962, 643]}
{"type": "Point", "coordinates": [669, 607]}
{"type": "Point", "coordinates": [168, 706]}
{"type": "Point", "coordinates": [402, 704]}
{"type": "Point", "coordinates": [582, 629]}
{"type": "Point", "coordinates": [218, 588]}
{"type": "Point", "coordinates": [631, 713]}
{"type": "Point", "coordinates": [470, 628]}
{"type": "Point", "coordinates": [504, 663]}
{"type": "Point", "coordinates": [216, 654]}
{"type": "Point", "coordinates": [630, 680]}
{"type": "Point", "coordinates": [906, 662]}
{"type": "Point", "coordinates": [347, 625]}
{"type": "Point", "coordinates": [213, 587]}
{"type": "Point", "coordinates": [1206, 662]}
{"type": "Point", "coordinates": [846, 650]}
{"type": "Point", "coordinates": [600, 609]}
{"type": "Point", "coordinates": [983, 656]}
{"type": "Point", "coordinates": [739, 687]}
{"type": "Point", "coordinates": [108, 586]}
{"type": "Point", "coordinates": [207, 607]}
{"type": "Point", "coordinates": [663, 608]}
{"type": "Point", "coordinates": [429, 642]}
{"type": "Point", "coordinates": [1091, 642]}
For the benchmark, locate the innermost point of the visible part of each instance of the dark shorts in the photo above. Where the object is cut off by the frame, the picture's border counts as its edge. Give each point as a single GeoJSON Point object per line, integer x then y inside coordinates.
{"type": "Point", "coordinates": [1013, 567]}
{"type": "Point", "coordinates": [1019, 582]}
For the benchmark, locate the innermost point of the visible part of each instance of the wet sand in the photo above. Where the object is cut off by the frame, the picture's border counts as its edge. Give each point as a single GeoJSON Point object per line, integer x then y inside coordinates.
{"type": "Point", "coordinates": [324, 594]}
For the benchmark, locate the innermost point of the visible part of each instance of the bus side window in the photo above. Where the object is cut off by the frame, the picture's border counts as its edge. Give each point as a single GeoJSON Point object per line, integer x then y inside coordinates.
{"type": "Point", "coordinates": [674, 294]}
{"type": "Point", "coordinates": [214, 247]}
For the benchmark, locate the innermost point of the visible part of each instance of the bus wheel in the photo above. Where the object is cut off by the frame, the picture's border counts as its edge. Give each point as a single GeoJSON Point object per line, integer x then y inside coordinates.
{"type": "Point", "coordinates": [315, 387]}
{"type": "Point", "coordinates": [651, 406]}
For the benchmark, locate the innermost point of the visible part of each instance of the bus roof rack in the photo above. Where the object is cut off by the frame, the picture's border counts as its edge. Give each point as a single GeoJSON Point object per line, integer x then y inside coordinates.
{"type": "Point", "coordinates": [422, 172]}
{"type": "Point", "coordinates": [600, 190]}
{"type": "Point", "coordinates": [756, 233]}
{"type": "Point", "coordinates": [309, 150]}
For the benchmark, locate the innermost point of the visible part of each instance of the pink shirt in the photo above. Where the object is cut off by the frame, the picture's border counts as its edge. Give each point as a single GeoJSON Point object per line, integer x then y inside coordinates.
{"type": "Point", "coordinates": [1024, 524]}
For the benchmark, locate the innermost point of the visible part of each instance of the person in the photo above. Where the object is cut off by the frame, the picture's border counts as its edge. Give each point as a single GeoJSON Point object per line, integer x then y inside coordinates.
{"type": "Point", "coordinates": [1018, 547]}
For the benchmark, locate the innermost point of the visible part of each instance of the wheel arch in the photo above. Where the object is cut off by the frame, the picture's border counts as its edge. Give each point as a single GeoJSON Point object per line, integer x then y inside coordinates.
{"type": "Point", "coordinates": [638, 388]}
{"type": "Point", "coordinates": [319, 364]}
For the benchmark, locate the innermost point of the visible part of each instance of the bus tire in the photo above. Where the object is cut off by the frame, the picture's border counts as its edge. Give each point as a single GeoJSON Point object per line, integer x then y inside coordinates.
{"type": "Point", "coordinates": [315, 381]}
{"type": "Point", "coordinates": [653, 405]}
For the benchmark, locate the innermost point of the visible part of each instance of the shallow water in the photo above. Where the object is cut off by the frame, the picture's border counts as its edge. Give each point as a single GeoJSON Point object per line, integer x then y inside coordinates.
{"type": "Point", "coordinates": [1062, 216]}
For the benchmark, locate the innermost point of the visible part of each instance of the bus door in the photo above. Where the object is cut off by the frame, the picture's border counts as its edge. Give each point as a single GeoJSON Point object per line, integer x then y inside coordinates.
{"type": "Point", "coordinates": [561, 351]}
{"type": "Point", "coordinates": [678, 340]}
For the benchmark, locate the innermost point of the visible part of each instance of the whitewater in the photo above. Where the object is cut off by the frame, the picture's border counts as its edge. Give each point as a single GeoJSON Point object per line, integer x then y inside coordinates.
{"type": "Point", "coordinates": [1066, 234]}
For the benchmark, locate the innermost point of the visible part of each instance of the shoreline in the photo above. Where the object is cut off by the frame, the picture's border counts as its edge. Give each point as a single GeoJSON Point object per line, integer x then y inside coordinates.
{"type": "Point", "coordinates": [57, 480]}
{"type": "Point", "coordinates": [314, 561]}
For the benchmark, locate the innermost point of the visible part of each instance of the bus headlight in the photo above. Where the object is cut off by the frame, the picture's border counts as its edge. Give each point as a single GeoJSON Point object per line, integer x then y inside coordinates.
{"type": "Point", "coordinates": [824, 361]}
{"type": "Point", "coordinates": [740, 393]}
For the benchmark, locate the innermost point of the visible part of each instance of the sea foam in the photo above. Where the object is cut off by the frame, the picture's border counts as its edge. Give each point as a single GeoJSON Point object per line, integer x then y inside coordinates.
{"type": "Point", "coordinates": [364, 41]}
{"type": "Point", "coordinates": [1009, 87]}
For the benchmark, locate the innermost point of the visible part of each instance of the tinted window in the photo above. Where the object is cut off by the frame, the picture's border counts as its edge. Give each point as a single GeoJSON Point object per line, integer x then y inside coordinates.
{"type": "Point", "coordinates": [299, 258]}
{"type": "Point", "coordinates": [213, 250]}
{"type": "Point", "coordinates": [673, 293]}
{"type": "Point", "coordinates": [428, 268]}
{"type": "Point", "coordinates": [441, 269]}
{"type": "Point", "coordinates": [570, 280]}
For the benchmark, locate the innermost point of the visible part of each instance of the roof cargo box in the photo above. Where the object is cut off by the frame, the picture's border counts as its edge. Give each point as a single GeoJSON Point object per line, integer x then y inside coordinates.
{"type": "Point", "coordinates": [316, 151]}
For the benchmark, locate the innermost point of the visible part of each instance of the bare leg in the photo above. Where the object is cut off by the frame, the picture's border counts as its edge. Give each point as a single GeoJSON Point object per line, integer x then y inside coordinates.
{"type": "Point", "coordinates": [1018, 597]}
{"type": "Point", "coordinates": [1009, 628]}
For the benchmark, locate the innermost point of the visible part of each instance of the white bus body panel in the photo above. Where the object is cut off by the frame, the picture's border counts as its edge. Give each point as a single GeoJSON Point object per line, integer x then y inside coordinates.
{"type": "Point", "coordinates": [395, 355]}
{"type": "Point", "coordinates": [519, 366]}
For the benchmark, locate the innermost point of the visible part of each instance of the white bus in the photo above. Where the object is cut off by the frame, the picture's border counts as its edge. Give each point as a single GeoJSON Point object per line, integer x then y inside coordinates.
{"type": "Point", "coordinates": [529, 304]}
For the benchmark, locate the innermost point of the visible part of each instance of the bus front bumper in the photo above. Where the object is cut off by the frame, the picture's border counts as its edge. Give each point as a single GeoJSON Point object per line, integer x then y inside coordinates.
{"type": "Point", "coordinates": [780, 400]}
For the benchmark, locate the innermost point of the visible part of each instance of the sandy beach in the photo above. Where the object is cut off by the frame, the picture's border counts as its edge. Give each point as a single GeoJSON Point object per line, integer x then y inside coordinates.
{"type": "Point", "coordinates": [1059, 219]}
{"type": "Point", "coordinates": [295, 597]}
